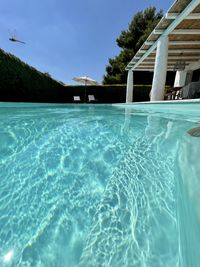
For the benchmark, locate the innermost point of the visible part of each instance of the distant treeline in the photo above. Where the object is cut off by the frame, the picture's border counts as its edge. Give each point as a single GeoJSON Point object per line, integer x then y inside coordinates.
{"type": "Point", "coordinates": [20, 82]}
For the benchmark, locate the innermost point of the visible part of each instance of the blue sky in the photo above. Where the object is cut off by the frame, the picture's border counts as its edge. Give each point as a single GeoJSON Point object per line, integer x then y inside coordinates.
{"type": "Point", "coordinates": [68, 38]}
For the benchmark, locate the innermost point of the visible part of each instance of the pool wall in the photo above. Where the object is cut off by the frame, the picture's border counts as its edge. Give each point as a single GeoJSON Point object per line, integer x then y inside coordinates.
{"type": "Point", "coordinates": [188, 200]}
{"type": "Point", "coordinates": [187, 174]}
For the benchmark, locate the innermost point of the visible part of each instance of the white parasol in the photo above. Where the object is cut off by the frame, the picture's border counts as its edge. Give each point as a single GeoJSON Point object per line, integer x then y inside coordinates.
{"type": "Point", "coordinates": [86, 80]}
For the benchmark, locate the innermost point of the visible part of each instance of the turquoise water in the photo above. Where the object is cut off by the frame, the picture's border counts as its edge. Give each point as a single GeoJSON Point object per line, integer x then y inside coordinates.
{"type": "Point", "coordinates": [92, 185]}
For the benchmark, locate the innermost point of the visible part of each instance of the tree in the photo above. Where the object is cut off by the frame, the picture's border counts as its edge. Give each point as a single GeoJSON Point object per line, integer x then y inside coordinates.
{"type": "Point", "coordinates": [130, 41]}
{"type": "Point", "coordinates": [47, 74]}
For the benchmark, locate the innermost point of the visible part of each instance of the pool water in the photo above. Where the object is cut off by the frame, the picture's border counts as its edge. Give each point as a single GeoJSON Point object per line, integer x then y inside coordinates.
{"type": "Point", "coordinates": [98, 185]}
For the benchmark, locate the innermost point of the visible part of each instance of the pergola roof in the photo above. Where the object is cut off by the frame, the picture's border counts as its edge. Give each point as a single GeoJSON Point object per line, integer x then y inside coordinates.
{"type": "Point", "coordinates": [182, 24]}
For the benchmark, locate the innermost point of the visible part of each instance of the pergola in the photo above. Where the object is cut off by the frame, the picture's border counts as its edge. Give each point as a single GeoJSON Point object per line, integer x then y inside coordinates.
{"type": "Point", "coordinates": [175, 38]}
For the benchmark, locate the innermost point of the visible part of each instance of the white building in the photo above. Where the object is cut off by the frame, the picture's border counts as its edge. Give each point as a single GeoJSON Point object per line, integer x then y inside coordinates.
{"type": "Point", "coordinates": [173, 44]}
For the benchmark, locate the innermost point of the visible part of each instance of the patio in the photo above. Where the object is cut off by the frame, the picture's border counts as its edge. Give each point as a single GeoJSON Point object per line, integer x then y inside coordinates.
{"type": "Point", "coordinates": [174, 45]}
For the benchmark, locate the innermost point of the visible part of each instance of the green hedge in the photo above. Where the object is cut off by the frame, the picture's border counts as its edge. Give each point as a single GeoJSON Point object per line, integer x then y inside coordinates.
{"type": "Point", "coordinates": [109, 93]}
{"type": "Point", "coordinates": [20, 82]}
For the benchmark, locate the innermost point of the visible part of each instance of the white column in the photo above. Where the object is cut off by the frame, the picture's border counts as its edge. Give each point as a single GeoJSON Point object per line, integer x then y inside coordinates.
{"type": "Point", "coordinates": [160, 70]}
{"type": "Point", "coordinates": [180, 78]}
{"type": "Point", "coordinates": [129, 87]}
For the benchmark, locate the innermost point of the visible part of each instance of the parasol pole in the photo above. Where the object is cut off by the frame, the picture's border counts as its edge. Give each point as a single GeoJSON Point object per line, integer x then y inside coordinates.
{"type": "Point", "coordinates": [85, 92]}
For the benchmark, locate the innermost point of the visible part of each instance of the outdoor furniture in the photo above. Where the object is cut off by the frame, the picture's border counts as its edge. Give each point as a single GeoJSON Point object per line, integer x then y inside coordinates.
{"type": "Point", "coordinates": [169, 96]}
{"type": "Point", "coordinates": [86, 81]}
{"type": "Point", "coordinates": [177, 95]}
{"type": "Point", "coordinates": [189, 91]}
{"type": "Point", "coordinates": [91, 99]}
{"type": "Point", "coordinates": [77, 99]}
{"type": "Point", "coordinates": [174, 94]}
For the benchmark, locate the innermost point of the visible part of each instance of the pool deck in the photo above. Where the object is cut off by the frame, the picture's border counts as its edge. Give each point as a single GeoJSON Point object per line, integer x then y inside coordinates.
{"type": "Point", "coordinates": [182, 101]}
{"type": "Point", "coordinates": [185, 107]}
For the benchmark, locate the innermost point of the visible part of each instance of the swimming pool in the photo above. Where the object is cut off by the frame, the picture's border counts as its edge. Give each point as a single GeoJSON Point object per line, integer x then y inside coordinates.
{"type": "Point", "coordinates": [99, 185]}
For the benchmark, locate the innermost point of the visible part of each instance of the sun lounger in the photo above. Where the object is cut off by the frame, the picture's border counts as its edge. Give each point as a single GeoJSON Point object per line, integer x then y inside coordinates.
{"type": "Point", "coordinates": [77, 99]}
{"type": "Point", "coordinates": [91, 99]}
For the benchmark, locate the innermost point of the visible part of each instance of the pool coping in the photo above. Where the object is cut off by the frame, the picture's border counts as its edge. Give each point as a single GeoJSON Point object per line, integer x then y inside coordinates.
{"type": "Point", "coordinates": [181, 101]}
{"type": "Point", "coordinates": [188, 108]}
